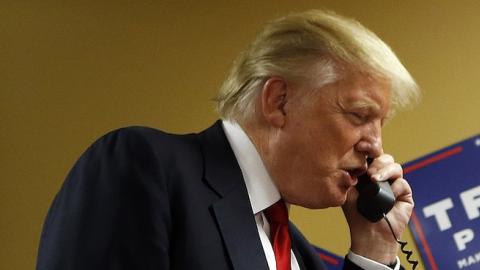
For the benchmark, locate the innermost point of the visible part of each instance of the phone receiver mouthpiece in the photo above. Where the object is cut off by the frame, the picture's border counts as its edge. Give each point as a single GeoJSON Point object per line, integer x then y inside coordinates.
{"type": "Point", "coordinates": [375, 198]}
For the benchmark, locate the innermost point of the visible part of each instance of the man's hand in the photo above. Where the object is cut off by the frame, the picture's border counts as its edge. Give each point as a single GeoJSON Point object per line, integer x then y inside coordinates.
{"type": "Point", "coordinates": [375, 240]}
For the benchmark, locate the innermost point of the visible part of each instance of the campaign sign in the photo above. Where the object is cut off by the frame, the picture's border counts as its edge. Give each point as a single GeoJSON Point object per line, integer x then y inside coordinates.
{"type": "Point", "coordinates": [332, 261]}
{"type": "Point", "coordinates": [446, 218]}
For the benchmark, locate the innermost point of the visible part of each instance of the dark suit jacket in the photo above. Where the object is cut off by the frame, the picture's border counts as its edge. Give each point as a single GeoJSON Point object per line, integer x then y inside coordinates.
{"type": "Point", "coordinates": [140, 198]}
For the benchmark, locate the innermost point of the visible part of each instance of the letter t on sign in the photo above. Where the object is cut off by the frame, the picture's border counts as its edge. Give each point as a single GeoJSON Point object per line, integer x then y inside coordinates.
{"type": "Point", "coordinates": [439, 210]}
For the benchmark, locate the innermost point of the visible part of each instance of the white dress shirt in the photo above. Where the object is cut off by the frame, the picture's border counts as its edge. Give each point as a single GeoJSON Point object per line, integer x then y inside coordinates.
{"type": "Point", "coordinates": [263, 193]}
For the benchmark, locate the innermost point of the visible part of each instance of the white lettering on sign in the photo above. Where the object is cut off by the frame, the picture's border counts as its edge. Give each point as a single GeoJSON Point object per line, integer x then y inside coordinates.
{"type": "Point", "coordinates": [471, 202]}
{"type": "Point", "coordinates": [468, 261]}
{"type": "Point", "coordinates": [439, 211]}
{"type": "Point", "coordinates": [462, 238]}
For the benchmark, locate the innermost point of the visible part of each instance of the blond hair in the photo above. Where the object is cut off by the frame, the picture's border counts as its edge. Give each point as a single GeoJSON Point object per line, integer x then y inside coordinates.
{"type": "Point", "coordinates": [288, 46]}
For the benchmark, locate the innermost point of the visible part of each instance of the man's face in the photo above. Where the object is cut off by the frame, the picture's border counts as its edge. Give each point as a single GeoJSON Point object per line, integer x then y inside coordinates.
{"type": "Point", "coordinates": [326, 138]}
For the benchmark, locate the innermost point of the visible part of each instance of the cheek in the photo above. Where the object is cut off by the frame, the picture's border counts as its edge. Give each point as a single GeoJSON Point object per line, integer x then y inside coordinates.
{"type": "Point", "coordinates": [316, 151]}
{"type": "Point", "coordinates": [345, 137]}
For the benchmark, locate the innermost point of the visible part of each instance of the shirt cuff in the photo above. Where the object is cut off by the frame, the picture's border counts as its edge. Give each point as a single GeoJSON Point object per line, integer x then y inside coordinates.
{"type": "Point", "coordinates": [366, 263]}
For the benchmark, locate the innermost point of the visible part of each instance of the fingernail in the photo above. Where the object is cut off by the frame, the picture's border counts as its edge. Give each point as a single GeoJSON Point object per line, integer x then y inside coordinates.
{"type": "Point", "coordinates": [377, 176]}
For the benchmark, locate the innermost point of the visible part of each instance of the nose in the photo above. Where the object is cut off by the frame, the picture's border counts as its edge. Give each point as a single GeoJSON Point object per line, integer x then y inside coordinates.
{"type": "Point", "coordinates": [370, 143]}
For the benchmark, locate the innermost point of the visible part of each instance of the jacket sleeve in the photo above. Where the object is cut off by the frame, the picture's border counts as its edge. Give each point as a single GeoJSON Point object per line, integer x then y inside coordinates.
{"type": "Point", "coordinates": [104, 216]}
{"type": "Point", "coordinates": [310, 258]}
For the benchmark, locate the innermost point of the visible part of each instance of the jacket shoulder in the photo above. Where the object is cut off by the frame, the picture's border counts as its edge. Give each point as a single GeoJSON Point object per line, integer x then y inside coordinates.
{"type": "Point", "coordinates": [143, 134]}
{"type": "Point", "coordinates": [144, 141]}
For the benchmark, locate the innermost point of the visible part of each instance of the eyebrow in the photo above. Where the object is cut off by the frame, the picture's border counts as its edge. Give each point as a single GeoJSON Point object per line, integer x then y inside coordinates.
{"type": "Point", "coordinates": [372, 106]}
{"type": "Point", "coordinates": [365, 103]}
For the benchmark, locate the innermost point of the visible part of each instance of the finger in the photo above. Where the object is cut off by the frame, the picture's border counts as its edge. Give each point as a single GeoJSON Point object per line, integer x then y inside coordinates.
{"type": "Point", "coordinates": [380, 162]}
{"type": "Point", "coordinates": [390, 171]}
{"type": "Point", "coordinates": [402, 190]}
{"type": "Point", "coordinates": [385, 159]}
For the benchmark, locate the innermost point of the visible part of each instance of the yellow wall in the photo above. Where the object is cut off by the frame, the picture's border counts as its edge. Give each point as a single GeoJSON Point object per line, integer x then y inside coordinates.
{"type": "Point", "coordinates": [70, 72]}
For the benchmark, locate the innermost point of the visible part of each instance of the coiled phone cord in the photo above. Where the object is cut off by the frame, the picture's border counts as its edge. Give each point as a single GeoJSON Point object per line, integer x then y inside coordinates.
{"type": "Point", "coordinates": [409, 253]}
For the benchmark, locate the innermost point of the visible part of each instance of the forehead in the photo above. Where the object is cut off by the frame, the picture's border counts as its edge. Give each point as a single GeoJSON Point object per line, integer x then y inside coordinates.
{"type": "Point", "coordinates": [363, 90]}
{"type": "Point", "coordinates": [348, 80]}
{"type": "Point", "coordinates": [348, 89]}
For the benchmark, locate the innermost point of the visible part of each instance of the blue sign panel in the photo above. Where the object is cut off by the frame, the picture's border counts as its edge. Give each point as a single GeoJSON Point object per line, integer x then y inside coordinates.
{"type": "Point", "coordinates": [446, 218]}
{"type": "Point", "coordinates": [332, 261]}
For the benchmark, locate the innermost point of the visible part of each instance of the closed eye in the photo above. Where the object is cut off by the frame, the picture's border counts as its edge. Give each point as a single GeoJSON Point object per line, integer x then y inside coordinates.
{"type": "Point", "coordinates": [358, 118]}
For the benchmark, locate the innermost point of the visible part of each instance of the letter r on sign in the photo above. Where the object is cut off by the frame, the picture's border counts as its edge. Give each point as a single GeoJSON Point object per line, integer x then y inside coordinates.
{"type": "Point", "coordinates": [471, 202]}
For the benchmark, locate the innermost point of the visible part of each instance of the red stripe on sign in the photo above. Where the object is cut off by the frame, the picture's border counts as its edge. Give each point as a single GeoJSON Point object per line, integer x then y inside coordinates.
{"type": "Point", "coordinates": [433, 159]}
{"type": "Point", "coordinates": [421, 235]}
{"type": "Point", "coordinates": [328, 259]}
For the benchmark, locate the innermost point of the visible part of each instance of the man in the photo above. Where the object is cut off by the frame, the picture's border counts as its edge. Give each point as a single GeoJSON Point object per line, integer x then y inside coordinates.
{"type": "Point", "coordinates": [302, 110]}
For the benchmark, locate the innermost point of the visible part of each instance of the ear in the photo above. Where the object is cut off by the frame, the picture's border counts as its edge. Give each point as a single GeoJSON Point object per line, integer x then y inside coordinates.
{"type": "Point", "coordinates": [274, 98]}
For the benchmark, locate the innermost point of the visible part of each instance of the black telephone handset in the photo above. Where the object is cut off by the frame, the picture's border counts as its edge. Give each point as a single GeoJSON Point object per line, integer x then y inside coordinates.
{"type": "Point", "coordinates": [375, 198]}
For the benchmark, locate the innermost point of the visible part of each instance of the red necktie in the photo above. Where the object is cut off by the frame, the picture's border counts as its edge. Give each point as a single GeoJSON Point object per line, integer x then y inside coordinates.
{"type": "Point", "coordinates": [277, 216]}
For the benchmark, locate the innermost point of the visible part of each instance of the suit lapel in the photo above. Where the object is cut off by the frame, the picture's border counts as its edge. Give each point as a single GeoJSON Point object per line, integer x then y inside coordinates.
{"type": "Point", "coordinates": [233, 211]}
{"type": "Point", "coordinates": [298, 256]}
{"type": "Point", "coordinates": [239, 231]}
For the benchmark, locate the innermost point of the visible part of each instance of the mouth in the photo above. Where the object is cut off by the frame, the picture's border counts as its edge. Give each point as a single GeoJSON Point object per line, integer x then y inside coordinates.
{"type": "Point", "coordinates": [348, 180]}
{"type": "Point", "coordinates": [356, 172]}
{"type": "Point", "coordinates": [353, 174]}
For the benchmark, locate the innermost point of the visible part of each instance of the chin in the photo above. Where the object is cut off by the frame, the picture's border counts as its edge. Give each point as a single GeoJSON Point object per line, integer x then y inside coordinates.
{"type": "Point", "coordinates": [314, 198]}
{"type": "Point", "coordinates": [334, 201]}
{"type": "Point", "coordinates": [341, 201]}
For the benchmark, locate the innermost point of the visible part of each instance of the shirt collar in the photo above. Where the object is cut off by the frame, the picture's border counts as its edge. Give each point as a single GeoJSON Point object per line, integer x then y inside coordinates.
{"type": "Point", "coordinates": [260, 187]}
